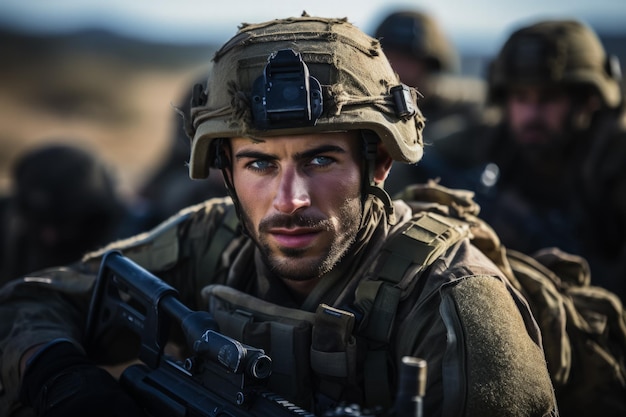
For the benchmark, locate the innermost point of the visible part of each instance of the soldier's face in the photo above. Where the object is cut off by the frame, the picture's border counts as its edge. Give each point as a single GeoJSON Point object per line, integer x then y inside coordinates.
{"type": "Point", "coordinates": [537, 115]}
{"type": "Point", "coordinates": [300, 198]}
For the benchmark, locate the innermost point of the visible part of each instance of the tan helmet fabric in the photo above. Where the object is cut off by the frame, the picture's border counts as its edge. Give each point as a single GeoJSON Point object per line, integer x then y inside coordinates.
{"type": "Point", "coordinates": [556, 52]}
{"type": "Point", "coordinates": [420, 35]}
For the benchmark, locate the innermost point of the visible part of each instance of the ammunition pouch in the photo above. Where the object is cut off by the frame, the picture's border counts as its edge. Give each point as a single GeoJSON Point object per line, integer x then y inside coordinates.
{"type": "Point", "coordinates": [311, 352]}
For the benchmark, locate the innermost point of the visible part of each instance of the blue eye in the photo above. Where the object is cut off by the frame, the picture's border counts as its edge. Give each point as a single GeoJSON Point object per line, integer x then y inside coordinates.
{"type": "Point", "coordinates": [321, 161]}
{"type": "Point", "coordinates": [260, 165]}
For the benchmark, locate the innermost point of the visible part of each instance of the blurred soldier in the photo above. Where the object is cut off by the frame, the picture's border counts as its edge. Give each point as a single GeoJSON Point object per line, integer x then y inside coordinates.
{"type": "Point", "coordinates": [424, 58]}
{"type": "Point", "coordinates": [64, 203]}
{"type": "Point", "coordinates": [560, 149]}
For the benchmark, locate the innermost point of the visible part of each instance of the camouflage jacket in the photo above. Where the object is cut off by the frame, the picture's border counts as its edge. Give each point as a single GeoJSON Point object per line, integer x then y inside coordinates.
{"type": "Point", "coordinates": [581, 211]}
{"type": "Point", "coordinates": [481, 343]}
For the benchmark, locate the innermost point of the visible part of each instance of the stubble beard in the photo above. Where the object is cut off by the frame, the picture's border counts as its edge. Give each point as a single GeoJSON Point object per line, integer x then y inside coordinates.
{"type": "Point", "coordinates": [551, 145]}
{"type": "Point", "coordinates": [292, 263]}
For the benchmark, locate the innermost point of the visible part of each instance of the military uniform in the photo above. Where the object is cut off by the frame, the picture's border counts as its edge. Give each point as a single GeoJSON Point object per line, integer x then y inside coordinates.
{"type": "Point", "coordinates": [481, 343]}
{"type": "Point", "coordinates": [584, 213]}
{"type": "Point", "coordinates": [409, 283]}
{"type": "Point", "coordinates": [579, 206]}
{"type": "Point", "coordinates": [64, 203]}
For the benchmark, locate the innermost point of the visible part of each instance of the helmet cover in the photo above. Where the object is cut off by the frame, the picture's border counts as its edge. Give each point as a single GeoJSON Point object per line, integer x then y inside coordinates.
{"type": "Point", "coordinates": [556, 52]}
{"type": "Point", "coordinates": [300, 76]}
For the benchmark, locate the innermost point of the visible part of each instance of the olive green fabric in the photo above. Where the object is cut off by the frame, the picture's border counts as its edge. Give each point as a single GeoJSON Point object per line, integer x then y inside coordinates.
{"type": "Point", "coordinates": [583, 326]}
{"type": "Point", "coordinates": [584, 332]}
{"type": "Point", "coordinates": [487, 315]}
{"type": "Point", "coordinates": [62, 314]}
{"type": "Point", "coordinates": [284, 334]}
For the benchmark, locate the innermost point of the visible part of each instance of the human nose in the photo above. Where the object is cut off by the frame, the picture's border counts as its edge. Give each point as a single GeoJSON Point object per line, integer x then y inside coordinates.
{"type": "Point", "coordinates": [292, 193]}
{"type": "Point", "coordinates": [536, 109]}
{"type": "Point", "coordinates": [531, 111]}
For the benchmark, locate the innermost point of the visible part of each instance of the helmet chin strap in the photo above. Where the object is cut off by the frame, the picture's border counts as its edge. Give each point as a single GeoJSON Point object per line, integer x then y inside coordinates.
{"type": "Point", "coordinates": [224, 164]}
{"type": "Point", "coordinates": [369, 189]}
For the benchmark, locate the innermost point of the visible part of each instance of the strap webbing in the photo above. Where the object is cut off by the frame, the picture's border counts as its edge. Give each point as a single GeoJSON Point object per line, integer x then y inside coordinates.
{"type": "Point", "coordinates": [412, 250]}
{"type": "Point", "coordinates": [406, 255]}
{"type": "Point", "coordinates": [224, 234]}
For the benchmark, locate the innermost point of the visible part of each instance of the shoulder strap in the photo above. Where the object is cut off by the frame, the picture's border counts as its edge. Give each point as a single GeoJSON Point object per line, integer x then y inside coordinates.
{"type": "Point", "coordinates": [155, 250]}
{"type": "Point", "coordinates": [225, 233]}
{"type": "Point", "coordinates": [406, 255]}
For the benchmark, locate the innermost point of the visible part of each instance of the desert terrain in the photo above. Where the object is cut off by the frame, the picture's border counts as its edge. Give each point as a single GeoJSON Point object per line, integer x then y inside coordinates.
{"type": "Point", "coordinates": [109, 94]}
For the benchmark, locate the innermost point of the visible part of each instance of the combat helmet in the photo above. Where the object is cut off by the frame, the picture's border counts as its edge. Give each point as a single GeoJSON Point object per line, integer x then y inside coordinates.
{"type": "Point", "coordinates": [420, 35]}
{"type": "Point", "coordinates": [302, 75]}
{"type": "Point", "coordinates": [564, 52]}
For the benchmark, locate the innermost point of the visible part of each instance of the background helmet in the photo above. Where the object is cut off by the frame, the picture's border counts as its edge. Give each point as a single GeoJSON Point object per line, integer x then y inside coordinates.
{"type": "Point", "coordinates": [302, 75]}
{"type": "Point", "coordinates": [419, 35]}
{"type": "Point", "coordinates": [556, 53]}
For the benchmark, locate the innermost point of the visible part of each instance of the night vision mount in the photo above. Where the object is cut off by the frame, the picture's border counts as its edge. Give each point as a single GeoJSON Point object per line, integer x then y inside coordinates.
{"type": "Point", "coordinates": [286, 95]}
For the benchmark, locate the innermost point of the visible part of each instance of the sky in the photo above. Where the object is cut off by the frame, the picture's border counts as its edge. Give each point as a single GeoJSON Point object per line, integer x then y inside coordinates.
{"type": "Point", "coordinates": [466, 22]}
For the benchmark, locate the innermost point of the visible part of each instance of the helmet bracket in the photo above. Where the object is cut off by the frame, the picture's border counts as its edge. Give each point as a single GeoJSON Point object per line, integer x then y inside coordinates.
{"type": "Point", "coordinates": [285, 95]}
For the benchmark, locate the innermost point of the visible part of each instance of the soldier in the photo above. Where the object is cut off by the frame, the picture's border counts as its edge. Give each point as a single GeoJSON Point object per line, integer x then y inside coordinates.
{"type": "Point", "coordinates": [304, 117]}
{"type": "Point", "coordinates": [424, 58]}
{"type": "Point", "coordinates": [560, 148]}
{"type": "Point", "coordinates": [64, 203]}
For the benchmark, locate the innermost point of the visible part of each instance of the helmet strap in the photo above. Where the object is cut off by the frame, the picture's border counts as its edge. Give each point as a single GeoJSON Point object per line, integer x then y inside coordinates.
{"type": "Point", "coordinates": [370, 151]}
{"type": "Point", "coordinates": [369, 188]}
{"type": "Point", "coordinates": [224, 164]}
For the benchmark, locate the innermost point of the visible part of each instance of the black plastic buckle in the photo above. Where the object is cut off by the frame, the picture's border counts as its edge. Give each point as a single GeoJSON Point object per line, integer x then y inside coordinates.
{"type": "Point", "coordinates": [285, 95]}
{"type": "Point", "coordinates": [403, 101]}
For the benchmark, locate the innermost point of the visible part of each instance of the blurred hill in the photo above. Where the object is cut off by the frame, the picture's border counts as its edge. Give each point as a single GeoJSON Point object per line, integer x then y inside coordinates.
{"type": "Point", "coordinates": [111, 94]}
{"type": "Point", "coordinates": [114, 94]}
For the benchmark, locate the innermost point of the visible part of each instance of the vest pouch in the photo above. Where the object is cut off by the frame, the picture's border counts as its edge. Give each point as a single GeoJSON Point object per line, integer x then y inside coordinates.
{"type": "Point", "coordinates": [334, 355]}
{"type": "Point", "coordinates": [283, 333]}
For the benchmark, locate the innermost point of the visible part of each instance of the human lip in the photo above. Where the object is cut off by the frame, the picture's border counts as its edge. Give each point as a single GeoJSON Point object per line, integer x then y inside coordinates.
{"type": "Point", "coordinates": [294, 238]}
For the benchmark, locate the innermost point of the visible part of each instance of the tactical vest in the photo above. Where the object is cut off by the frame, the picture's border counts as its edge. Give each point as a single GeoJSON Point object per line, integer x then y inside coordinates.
{"type": "Point", "coordinates": [337, 353]}
{"type": "Point", "coordinates": [583, 326]}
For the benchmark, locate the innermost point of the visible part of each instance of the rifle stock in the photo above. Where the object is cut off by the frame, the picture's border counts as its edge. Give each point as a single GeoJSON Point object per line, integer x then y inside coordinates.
{"type": "Point", "coordinates": [222, 377]}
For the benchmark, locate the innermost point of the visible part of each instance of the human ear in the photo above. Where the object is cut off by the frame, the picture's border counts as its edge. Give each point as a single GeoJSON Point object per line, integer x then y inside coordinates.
{"type": "Point", "coordinates": [383, 164]}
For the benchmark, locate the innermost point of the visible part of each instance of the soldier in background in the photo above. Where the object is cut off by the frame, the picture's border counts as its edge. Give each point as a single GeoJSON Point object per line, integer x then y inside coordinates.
{"type": "Point", "coordinates": [64, 203]}
{"type": "Point", "coordinates": [424, 58]}
{"type": "Point", "coordinates": [559, 149]}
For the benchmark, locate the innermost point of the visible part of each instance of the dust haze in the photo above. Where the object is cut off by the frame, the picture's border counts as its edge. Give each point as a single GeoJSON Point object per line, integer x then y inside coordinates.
{"type": "Point", "coordinates": [104, 92]}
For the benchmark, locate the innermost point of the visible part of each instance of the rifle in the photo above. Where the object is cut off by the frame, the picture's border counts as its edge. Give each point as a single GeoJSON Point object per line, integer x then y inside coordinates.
{"type": "Point", "coordinates": [222, 377]}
